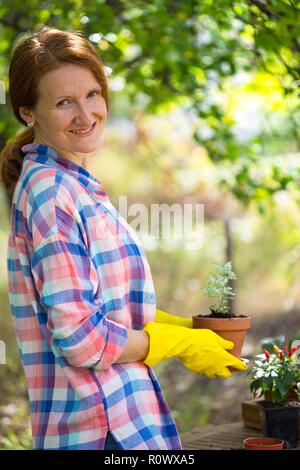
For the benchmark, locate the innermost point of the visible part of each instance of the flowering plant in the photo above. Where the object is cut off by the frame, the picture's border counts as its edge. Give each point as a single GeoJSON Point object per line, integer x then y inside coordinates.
{"type": "Point", "coordinates": [276, 372]}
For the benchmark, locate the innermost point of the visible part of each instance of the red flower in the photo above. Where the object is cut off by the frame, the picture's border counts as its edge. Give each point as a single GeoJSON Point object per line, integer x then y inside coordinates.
{"type": "Point", "coordinates": [267, 354]}
{"type": "Point", "coordinates": [292, 351]}
{"type": "Point", "coordinates": [281, 355]}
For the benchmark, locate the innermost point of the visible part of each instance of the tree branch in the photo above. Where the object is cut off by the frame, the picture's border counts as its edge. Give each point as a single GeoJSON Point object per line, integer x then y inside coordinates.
{"type": "Point", "coordinates": [261, 5]}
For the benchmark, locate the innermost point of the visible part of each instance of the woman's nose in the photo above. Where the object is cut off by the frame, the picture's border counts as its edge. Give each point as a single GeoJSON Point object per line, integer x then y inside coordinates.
{"type": "Point", "coordinates": [83, 115]}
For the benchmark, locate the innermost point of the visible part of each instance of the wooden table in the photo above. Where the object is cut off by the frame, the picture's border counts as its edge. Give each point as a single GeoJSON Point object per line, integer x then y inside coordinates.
{"type": "Point", "coordinates": [221, 437]}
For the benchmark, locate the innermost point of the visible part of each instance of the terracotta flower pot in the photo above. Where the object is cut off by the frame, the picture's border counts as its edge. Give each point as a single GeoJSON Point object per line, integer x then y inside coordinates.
{"type": "Point", "coordinates": [233, 329]}
{"type": "Point", "coordinates": [263, 443]}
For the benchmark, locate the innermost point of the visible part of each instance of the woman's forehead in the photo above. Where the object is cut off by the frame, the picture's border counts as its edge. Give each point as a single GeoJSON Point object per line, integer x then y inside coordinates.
{"type": "Point", "coordinates": [67, 80]}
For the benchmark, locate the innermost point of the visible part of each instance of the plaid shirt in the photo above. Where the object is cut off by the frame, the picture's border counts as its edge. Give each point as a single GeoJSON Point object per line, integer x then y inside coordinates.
{"type": "Point", "coordinates": [78, 280]}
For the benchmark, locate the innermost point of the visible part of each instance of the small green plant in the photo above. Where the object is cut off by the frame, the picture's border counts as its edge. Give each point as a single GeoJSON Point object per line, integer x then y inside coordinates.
{"type": "Point", "coordinates": [217, 287]}
{"type": "Point", "coordinates": [276, 372]}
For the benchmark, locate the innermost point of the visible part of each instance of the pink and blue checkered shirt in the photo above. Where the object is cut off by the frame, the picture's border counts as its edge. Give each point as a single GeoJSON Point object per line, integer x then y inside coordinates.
{"type": "Point", "coordinates": [78, 280]}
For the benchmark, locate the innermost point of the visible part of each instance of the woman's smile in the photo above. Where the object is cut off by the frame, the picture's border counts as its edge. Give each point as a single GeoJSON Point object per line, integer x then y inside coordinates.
{"type": "Point", "coordinates": [84, 132]}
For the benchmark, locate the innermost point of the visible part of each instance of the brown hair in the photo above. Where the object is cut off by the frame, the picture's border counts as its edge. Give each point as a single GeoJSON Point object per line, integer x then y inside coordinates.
{"type": "Point", "coordinates": [44, 51]}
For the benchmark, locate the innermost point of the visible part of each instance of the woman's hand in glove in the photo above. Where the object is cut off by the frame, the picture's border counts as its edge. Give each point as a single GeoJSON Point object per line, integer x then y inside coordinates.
{"type": "Point", "coordinates": [164, 317]}
{"type": "Point", "coordinates": [200, 350]}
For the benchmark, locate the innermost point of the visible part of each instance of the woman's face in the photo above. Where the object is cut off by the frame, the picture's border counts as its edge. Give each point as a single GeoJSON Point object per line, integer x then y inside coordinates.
{"type": "Point", "coordinates": [70, 112]}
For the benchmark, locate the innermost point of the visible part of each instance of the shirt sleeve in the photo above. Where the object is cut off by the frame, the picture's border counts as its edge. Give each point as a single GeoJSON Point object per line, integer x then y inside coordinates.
{"type": "Point", "coordinates": [67, 282]}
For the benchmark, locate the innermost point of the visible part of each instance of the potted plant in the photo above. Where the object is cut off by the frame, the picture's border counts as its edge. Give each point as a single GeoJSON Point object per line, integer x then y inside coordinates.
{"type": "Point", "coordinates": [221, 320]}
{"type": "Point", "coordinates": [276, 377]}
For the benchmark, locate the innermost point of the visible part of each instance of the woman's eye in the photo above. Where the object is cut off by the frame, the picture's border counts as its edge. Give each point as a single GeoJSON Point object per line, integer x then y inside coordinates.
{"type": "Point", "coordinates": [96, 92]}
{"type": "Point", "coordinates": [92, 93]}
{"type": "Point", "coordinates": [62, 102]}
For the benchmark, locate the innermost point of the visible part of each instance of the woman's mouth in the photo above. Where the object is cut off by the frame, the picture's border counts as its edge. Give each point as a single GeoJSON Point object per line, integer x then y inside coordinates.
{"type": "Point", "coordinates": [84, 132]}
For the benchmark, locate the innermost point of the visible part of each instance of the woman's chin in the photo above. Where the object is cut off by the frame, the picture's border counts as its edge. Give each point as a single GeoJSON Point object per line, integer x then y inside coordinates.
{"type": "Point", "coordinates": [86, 147]}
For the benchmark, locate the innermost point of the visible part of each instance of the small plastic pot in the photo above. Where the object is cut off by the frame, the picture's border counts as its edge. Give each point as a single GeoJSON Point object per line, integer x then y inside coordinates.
{"type": "Point", "coordinates": [263, 443]}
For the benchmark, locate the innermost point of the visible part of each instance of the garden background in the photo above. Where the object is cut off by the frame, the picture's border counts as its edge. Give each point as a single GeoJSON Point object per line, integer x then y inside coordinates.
{"type": "Point", "coordinates": [204, 108]}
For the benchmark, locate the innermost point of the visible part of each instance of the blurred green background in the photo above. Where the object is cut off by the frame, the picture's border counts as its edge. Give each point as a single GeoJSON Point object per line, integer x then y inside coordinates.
{"type": "Point", "coordinates": [204, 108]}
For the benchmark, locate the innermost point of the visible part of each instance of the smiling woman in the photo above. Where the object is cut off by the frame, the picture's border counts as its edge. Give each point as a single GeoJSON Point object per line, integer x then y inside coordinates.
{"type": "Point", "coordinates": [80, 286]}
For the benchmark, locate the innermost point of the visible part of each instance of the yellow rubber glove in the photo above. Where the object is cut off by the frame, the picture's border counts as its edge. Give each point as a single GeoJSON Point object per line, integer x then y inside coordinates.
{"type": "Point", "coordinates": [164, 317]}
{"type": "Point", "coordinates": [200, 350]}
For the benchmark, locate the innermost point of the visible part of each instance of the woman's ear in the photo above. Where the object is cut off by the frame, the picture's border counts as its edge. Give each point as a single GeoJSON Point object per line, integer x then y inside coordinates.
{"type": "Point", "coordinates": [26, 115]}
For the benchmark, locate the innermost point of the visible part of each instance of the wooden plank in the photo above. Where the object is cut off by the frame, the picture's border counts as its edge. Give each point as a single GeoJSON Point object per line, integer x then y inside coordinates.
{"type": "Point", "coordinates": [252, 424]}
{"type": "Point", "coordinates": [251, 415]}
{"type": "Point", "coordinates": [224, 437]}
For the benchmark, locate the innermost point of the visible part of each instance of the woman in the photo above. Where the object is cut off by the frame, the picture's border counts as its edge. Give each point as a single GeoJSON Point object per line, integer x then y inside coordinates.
{"type": "Point", "coordinates": [80, 286]}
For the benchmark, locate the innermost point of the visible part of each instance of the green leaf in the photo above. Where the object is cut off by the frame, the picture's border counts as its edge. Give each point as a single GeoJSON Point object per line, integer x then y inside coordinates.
{"type": "Point", "coordinates": [268, 343]}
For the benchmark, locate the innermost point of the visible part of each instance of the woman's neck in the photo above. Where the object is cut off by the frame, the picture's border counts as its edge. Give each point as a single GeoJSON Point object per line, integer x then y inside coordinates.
{"type": "Point", "coordinates": [81, 159]}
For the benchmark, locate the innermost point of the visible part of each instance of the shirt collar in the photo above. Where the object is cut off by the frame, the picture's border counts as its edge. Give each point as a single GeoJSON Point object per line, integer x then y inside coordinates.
{"type": "Point", "coordinates": [48, 155]}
